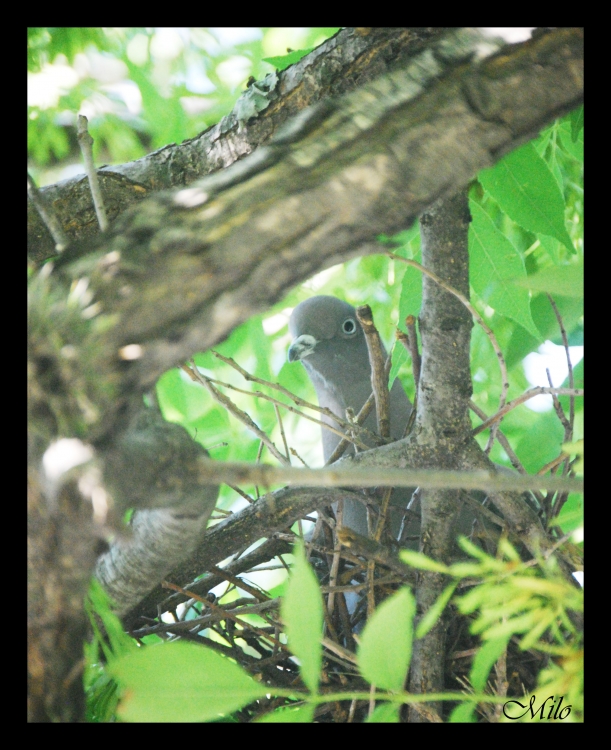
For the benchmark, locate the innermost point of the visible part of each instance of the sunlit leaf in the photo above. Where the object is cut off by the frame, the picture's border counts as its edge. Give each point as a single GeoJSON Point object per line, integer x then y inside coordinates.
{"type": "Point", "coordinates": [486, 657]}
{"type": "Point", "coordinates": [283, 61]}
{"type": "Point", "coordinates": [564, 280]}
{"type": "Point", "coordinates": [496, 267]}
{"type": "Point", "coordinates": [524, 187]}
{"type": "Point", "coordinates": [385, 649]}
{"type": "Point", "coordinates": [302, 615]}
{"type": "Point", "coordinates": [177, 682]}
{"type": "Point", "coordinates": [430, 617]}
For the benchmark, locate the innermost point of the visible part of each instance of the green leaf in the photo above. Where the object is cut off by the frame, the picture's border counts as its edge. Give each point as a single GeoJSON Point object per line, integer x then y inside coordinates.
{"type": "Point", "coordinates": [385, 650]}
{"type": "Point", "coordinates": [422, 562]}
{"type": "Point", "coordinates": [463, 714]}
{"type": "Point", "coordinates": [552, 247]}
{"type": "Point", "coordinates": [177, 682]}
{"type": "Point", "coordinates": [384, 713]}
{"type": "Point", "coordinates": [495, 266]}
{"type": "Point", "coordinates": [540, 443]}
{"type": "Point", "coordinates": [434, 613]}
{"type": "Point", "coordinates": [289, 715]}
{"type": "Point", "coordinates": [564, 280]}
{"type": "Point", "coordinates": [485, 659]}
{"type": "Point", "coordinates": [576, 122]}
{"type": "Point", "coordinates": [399, 357]}
{"type": "Point", "coordinates": [527, 191]}
{"type": "Point", "coordinates": [302, 615]}
{"type": "Point", "coordinates": [574, 146]}
{"type": "Point", "coordinates": [281, 62]}
{"type": "Point", "coordinates": [410, 300]}
{"type": "Point", "coordinates": [116, 641]}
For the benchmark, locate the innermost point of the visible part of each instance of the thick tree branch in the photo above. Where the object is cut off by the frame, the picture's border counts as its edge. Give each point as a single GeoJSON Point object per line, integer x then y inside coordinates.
{"type": "Point", "coordinates": [348, 60]}
{"type": "Point", "coordinates": [274, 512]}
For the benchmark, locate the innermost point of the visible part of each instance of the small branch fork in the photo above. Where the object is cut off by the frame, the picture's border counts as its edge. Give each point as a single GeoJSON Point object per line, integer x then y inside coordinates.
{"type": "Point", "coordinates": [86, 142]}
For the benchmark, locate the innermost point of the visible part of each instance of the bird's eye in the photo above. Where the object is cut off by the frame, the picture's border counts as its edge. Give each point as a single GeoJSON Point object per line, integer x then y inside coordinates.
{"type": "Point", "coordinates": [349, 326]}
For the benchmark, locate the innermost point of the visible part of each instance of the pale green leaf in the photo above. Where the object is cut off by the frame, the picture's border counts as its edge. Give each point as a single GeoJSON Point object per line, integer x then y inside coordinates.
{"type": "Point", "coordinates": [485, 659]}
{"type": "Point", "coordinates": [178, 682]}
{"type": "Point", "coordinates": [302, 615]}
{"type": "Point", "coordinates": [434, 613]}
{"type": "Point", "coordinates": [385, 649]}
{"type": "Point", "coordinates": [422, 562]}
{"type": "Point", "coordinates": [563, 280]}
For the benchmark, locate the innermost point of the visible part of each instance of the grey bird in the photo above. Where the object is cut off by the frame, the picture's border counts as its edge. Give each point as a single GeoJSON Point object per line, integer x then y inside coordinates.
{"type": "Point", "coordinates": [330, 343]}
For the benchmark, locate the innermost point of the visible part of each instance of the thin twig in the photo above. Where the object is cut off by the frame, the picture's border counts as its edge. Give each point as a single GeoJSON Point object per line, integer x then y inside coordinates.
{"type": "Point", "coordinates": [360, 418]}
{"type": "Point", "coordinates": [240, 584]}
{"type": "Point", "coordinates": [337, 548]}
{"type": "Point", "coordinates": [478, 318]}
{"type": "Point", "coordinates": [339, 650]}
{"type": "Point", "coordinates": [297, 456]}
{"type": "Point", "coordinates": [221, 611]}
{"type": "Point", "coordinates": [501, 437]}
{"type": "Point", "coordinates": [558, 408]}
{"type": "Point", "coordinates": [412, 343]}
{"type": "Point", "coordinates": [371, 600]}
{"type": "Point", "coordinates": [194, 373]}
{"type": "Point", "coordinates": [241, 492]}
{"type": "Point", "coordinates": [258, 461]}
{"type": "Point", "coordinates": [560, 459]}
{"type": "Point", "coordinates": [301, 402]}
{"type": "Point", "coordinates": [379, 383]}
{"type": "Point", "coordinates": [286, 447]}
{"type": "Point", "coordinates": [373, 551]}
{"type": "Point", "coordinates": [565, 341]}
{"type": "Point", "coordinates": [48, 216]}
{"type": "Point", "coordinates": [85, 142]}
{"type": "Point", "coordinates": [531, 393]}
{"type": "Point", "coordinates": [212, 472]}
{"type": "Point", "coordinates": [515, 461]}
{"type": "Point", "coordinates": [383, 513]}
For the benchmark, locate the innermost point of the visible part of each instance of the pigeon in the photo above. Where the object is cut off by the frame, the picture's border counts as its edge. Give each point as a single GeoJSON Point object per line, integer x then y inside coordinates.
{"type": "Point", "coordinates": [329, 341]}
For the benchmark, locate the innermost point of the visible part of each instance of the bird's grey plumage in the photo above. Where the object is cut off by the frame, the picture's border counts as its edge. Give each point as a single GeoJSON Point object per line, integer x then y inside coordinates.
{"type": "Point", "coordinates": [330, 343]}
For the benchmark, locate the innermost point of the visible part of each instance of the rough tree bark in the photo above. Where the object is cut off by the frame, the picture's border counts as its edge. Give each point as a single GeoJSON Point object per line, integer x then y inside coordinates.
{"type": "Point", "coordinates": [176, 273]}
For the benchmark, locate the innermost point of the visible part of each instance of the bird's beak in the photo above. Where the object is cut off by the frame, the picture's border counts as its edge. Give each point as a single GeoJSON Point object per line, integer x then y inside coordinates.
{"type": "Point", "coordinates": [302, 347]}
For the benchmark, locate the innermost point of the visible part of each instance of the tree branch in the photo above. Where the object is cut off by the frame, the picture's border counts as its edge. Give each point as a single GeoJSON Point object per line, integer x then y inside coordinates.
{"type": "Point", "coordinates": [348, 60]}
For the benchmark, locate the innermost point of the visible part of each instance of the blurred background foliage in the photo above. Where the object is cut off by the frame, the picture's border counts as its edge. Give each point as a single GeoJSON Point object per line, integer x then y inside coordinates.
{"type": "Point", "coordinates": [143, 88]}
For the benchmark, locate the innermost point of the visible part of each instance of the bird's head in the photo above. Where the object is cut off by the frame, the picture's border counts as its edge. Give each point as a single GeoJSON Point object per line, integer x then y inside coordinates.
{"type": "Point", "coordinates": [324, 328]}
